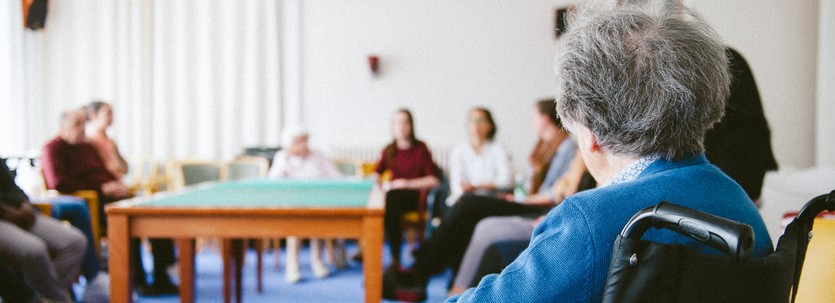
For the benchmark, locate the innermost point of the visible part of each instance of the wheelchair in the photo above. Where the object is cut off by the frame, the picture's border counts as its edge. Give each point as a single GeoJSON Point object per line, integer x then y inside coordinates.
{"type": "Point", "coordinates": [642, 271]}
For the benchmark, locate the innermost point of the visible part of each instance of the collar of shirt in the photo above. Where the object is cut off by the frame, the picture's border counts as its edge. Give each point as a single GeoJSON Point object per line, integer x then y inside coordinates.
{"type": "Point", "coordinates": [632, 171]}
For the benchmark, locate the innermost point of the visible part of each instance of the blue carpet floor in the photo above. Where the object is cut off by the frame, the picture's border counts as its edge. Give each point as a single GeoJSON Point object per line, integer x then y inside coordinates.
{"type": "Point", "coordinates": [343, 285]}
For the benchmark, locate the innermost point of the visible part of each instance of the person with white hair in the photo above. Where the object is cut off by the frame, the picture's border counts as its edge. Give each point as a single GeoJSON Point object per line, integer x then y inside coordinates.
{"type": "Point", "coordinates": [639, 85]}
{"type": "Point", "coordinates": [297, 160]}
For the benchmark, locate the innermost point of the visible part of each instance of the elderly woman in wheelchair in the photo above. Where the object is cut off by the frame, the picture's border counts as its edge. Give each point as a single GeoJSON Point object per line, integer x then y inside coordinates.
{"type": "Point", "coordinates": [639, 86]}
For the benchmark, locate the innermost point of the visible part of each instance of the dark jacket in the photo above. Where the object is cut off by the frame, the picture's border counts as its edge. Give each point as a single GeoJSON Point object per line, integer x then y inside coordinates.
{"type": "Point", "coordinates": [740, 144]}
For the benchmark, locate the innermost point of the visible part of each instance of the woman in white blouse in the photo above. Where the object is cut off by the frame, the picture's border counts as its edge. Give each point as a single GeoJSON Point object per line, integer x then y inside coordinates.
{"type": "Point", "coordinates": [479, 166]}
{"type": "Point", "coordinates": [297, 160]}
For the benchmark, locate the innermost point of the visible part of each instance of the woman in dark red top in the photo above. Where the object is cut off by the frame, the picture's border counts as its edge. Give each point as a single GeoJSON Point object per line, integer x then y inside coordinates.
{"type": "Point", "coordinates": [405, 168]}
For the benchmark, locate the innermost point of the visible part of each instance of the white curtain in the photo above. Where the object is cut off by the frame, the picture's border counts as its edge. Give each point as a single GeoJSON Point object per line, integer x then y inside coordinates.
{"type": "Point", "coordinates": [187, 78]}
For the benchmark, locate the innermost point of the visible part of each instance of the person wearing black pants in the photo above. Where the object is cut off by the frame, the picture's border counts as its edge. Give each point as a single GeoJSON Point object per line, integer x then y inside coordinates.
{"type": "Point", "coordinates": [398, 203]}
{"type": "Point", "coordinates": [162, 251]}
{"type": "Point", "coordinates": [450, 240]}
{"type": "Point", "coordinates": [405, 169]}
{"type": "Point", "coordinates": [550, 159]}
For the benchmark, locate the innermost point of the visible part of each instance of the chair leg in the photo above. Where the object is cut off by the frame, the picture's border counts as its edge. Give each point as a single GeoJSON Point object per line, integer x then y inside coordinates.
{"type": "Point", "coordinates": [259, 249]}
{"type": "Point", "coordinates": [277, 251]}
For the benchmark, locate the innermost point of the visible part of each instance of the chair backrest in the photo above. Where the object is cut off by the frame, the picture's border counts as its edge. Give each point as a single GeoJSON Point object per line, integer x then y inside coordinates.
{"type": "Point", "coordinates": [188, 172]}
{"type": "Point", "coordinates": [817, 281]}
{"type": "Point", "coordinates": [348, 167]}
{"type": "Point", "coordinates": [246, 168]}
{"type": "Point", "coordinates": [143, 175]}
{"type": "Point", "coordinates": [642, 271]}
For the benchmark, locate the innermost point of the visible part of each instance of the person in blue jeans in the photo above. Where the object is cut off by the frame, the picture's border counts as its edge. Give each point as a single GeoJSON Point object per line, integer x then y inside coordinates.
{"type": "Point", "coordinates": [75, 211]}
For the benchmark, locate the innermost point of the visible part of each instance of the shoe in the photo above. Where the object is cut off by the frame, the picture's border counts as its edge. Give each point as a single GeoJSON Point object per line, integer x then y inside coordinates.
{"type": "Point", "coordinates": [357, 257]}
{"type": "Point", "coordinates": [158, 289]}
{"type": "Point", "coordinates": [405, 286]}
{"type": "Point", "coordinates": [98, 290]}
{"type": "Point", "coordinates": [319, 269]}
{"type": "Point", "coordinates": [399, 285]}
{"type": "Point", "coordinates": [292, 274]}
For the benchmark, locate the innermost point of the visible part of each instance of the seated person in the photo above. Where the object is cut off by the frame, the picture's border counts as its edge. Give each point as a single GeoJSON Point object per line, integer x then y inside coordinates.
{"type": "Point", "coordinates": [70, 164]}
{"type": "Point", "coordinates": [508, 236]}
{"type": "Point", "coordinates": [100, 118]}
{"type": "Point", "coordinates": [48, 252]}
{"type": "Point", "coordinates": [479, 165]}
{"type": "Point", "coordinates": [405, 169]}
{"type": "Point", "coordinates": [639, 87]}
{"type": "Point", "coordinates": [75, 211]}
{"type": "Point", "coordinates": [297, 160]}
{"type": "Point", "coordinates": [549, 160]}
{"type": "Point", "coordinates": [740, 144]}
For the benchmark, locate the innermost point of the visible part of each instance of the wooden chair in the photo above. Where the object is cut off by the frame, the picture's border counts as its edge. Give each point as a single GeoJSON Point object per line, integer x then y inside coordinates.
{"type": "Point", "coordinates": [92, 199]}
{"type": "Point", "coordinates": [44, 207]}
{"type": "Point", "coordinates": [143, 176]}
{"type": "Point", "coordinates": [183, 173]}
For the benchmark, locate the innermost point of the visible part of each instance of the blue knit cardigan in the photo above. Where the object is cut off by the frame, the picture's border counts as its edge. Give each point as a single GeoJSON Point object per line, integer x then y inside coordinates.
{"type": "Point", "coordinates": [568, 258]}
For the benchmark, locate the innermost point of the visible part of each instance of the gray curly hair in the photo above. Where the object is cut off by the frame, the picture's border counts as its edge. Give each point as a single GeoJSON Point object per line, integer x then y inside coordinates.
{"type": "Point", "coordinates": [647, 81]}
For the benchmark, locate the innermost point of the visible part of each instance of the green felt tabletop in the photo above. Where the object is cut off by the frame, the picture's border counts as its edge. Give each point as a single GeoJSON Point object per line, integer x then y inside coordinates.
{"type": "Point", "coordinates": [273, 193]}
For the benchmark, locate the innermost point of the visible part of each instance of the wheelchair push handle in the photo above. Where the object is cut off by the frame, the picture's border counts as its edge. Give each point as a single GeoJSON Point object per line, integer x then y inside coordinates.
{"type": "Point", "coordinates": [730, 237]}
{"type": "Point", "coordinates": [816, 206]}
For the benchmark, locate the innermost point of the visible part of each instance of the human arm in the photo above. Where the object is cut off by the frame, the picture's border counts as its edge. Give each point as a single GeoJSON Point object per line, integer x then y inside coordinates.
{"type": "Point", "coordinates": [23, 216]}
{"type": "Point", "coordinates": [428, 170]}
{"type": "Point", "coordinates": [504, 174]}
{"type": "Point", "coordinates": [425, 182]}
{"type": "Point", "coordinates": [115, 190]}
{"type": "Point", "coordinates": [278, 165]}
{"type": "Point", "coordinates": [325, 166]}
{"type": "Point", "coordinates": [569, 182]}
{"type": "Point", "coordinates": [456, 172]}
{"type": "Point", "coordinates": [558, 166]}
{"type": "Point", "coordinates": [556, 267]}
{"type": "Point", "coordinates": [117, 164]}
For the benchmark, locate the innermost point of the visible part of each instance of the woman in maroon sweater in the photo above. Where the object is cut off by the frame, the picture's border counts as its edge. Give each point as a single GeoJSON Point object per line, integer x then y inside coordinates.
{"type": "Point", "coordinates": [405, 169]}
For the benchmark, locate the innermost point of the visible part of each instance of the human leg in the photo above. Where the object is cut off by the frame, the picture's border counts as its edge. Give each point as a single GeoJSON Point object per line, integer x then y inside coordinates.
{"type": "Point", "coordinates": [31, 249]}
{"type": "Point", "coordinates": [448, 244]}
{"type": "Point", "coordinates": [291, 270]}
{"type": "Point", "coordinates": [162, 251]}
{"type": "Point", "coordinates": [316, 264]}
{"type": "Point", "coordinates": [398, 202]}
{"type": "Point", "coordinates": [74, 210]}
{"type": "Point", "coordinates": [487, 232]}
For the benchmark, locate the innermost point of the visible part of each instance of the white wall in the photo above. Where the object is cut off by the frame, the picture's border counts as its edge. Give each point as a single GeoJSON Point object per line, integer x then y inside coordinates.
{"type": "Point", "coordinates": [779, 40]}
{"type": "Point", "coordinates": [438, 58]}
{"type": "Point", "coordinates": [826, 85]}
{"type": "Point", "coordinates": [441, 58]}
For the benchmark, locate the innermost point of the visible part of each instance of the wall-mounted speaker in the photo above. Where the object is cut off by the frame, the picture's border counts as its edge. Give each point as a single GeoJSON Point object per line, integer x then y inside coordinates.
{"type": "Point", "coordinates": [34, 13]}
{"type": "Point", "coordinates": [561, 21]}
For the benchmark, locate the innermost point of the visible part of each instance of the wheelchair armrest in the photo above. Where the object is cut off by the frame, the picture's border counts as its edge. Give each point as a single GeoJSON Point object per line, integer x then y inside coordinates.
{"type": "Point", "coordinates": [730, 237]}
{"type": "Point", "coordinates": [816, 206]}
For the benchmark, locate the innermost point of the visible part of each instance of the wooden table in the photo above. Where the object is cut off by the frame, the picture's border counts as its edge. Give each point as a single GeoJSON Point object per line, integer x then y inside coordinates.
{"type": "Point", "coordinates": [340, 208]}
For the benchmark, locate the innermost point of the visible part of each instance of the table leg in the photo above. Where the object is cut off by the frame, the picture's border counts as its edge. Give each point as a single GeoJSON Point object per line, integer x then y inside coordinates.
{"type": "Point", "coordinates": [118, 258]}
{"type": "Point", "coordinates": [186, 247]}
{"type": "Point", "coordinates": [372, 260]}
